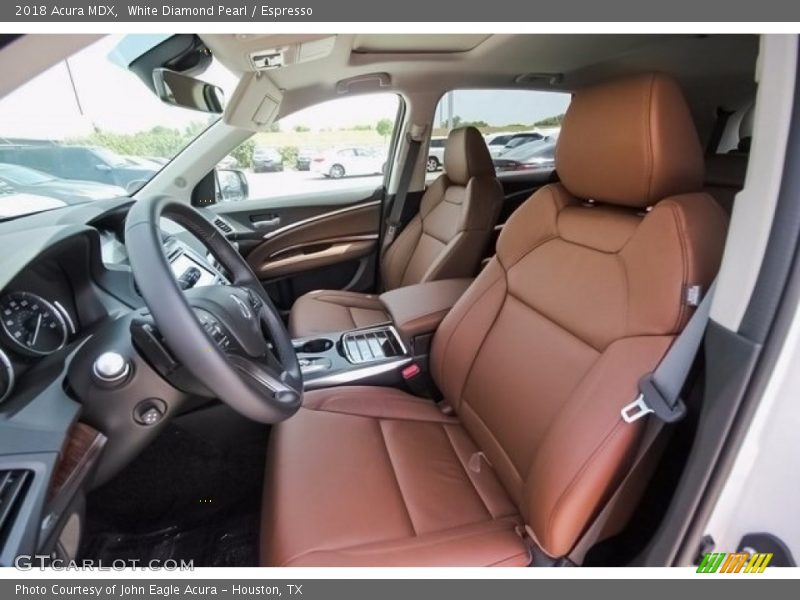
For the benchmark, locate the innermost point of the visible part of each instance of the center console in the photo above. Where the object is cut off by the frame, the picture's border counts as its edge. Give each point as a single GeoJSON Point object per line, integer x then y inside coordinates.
{"type": "Point", "coordinates": [376, 355]}
{"type": "Point", "coordinates": [373, 356]}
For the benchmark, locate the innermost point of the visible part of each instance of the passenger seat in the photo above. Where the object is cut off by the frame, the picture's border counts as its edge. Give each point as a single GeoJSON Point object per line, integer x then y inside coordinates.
{"type": "Point", "coordinates": [445, 240]}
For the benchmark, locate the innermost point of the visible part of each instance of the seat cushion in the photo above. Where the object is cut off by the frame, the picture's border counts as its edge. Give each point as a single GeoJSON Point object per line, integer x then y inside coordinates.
{"type": "Point", "coordinates": [373, 476]}
{"type": "Point", "coordinates": [327, 311]}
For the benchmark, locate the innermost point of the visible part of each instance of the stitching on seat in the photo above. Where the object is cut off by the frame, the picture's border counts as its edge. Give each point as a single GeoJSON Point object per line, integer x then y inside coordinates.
{"type": "Point", "coordinates": [553, 321]}
{"type": "Point", "coordinates": [397, 479]}
{"type": "Point", "coordinates": [466, 472]}
{"type": "Point", "coordinates": [467, 311]}
{"type": "Point", "coordinates": [485, 336]}
{"type": "Point", "coordinates": [488, 432]}
{"type": "Point", "coordinates": [351, 316]}
{"type": "Point", "coordinates": [682, 235]}
{"type": "Point", "coordinates": [594, 455]}
{"type": "Point", "coordinates": [446, 536]}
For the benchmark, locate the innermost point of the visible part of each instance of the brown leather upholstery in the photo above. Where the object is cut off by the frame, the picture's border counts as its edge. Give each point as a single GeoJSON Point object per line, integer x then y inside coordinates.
{"type": "Point", "coordinates": [326, 311]}
{"type": "Point", "coordinates": [645, 147]}
{"type": "Point", "coordinates": [446, 239]}
{"type": "Point", "coordinates": [537, 358]}
{"type": "Point", "coordinates": [373, 476]}
{"type": "Point", "coordinates": [418, 309]}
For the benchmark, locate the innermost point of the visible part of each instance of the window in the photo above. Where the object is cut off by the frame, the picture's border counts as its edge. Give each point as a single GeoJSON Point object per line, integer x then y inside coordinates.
{"type": "Point", "coordinates": [339, 145]}
{"type": "Point", "coordinates": [90, 120]}
{"type": "Point", "coordinates": [520, 126]}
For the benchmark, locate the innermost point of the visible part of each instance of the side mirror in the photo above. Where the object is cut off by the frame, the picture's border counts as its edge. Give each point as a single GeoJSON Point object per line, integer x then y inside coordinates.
{"type": "Point", "coordinates": [181, 90]}
{"type": "Point", "coordinates": [102, 167]}
{"type": "Point", "coordinates": [231, 185]}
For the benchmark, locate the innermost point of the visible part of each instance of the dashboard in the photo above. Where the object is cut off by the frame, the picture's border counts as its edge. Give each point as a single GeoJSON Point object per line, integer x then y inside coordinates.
{"type": "Point", "coordinates": [67, 293]}
{"type": "Point", "coordinates": [52, 303]}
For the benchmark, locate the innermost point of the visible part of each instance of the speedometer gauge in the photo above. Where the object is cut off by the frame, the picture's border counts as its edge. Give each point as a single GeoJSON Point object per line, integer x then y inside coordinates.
{"type": "Point", "coordinates": [32, 324]}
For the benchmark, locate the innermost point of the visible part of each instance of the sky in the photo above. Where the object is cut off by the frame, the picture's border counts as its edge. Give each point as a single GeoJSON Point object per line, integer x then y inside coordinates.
{"type": "Point", "coordinates": [114, 99]}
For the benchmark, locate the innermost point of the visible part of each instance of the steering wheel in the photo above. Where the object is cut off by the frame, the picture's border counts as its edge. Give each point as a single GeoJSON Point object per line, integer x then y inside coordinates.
{"type": "Point", "coordinates": [229, 337]}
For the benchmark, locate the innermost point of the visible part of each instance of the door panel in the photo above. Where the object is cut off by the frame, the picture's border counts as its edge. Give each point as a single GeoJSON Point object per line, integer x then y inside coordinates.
{"type": "Point", "coordinates": [309, 243]}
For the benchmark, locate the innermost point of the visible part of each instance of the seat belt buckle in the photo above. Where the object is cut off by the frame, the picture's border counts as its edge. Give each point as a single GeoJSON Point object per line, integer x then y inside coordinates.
{"type": "Point", "coordinates": [651, 401]}
{"type": "Point", "coordinates": [635, 410]}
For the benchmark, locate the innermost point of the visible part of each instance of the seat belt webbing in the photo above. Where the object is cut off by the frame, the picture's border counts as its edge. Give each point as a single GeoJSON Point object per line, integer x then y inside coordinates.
{"type": "Point", "coordinates": [396, 213]}
{"type": "Point", "coordinates": [659, 395]}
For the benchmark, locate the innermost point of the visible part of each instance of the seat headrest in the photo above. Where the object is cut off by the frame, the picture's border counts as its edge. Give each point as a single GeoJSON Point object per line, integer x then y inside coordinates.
{"type": "Point", "coordinates": [466, 156]}
{"type": "Point", "coordinates": [630, 142]}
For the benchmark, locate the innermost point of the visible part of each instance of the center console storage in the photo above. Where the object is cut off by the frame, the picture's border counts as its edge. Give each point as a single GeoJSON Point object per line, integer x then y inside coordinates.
{"type": "Point", "coordinates": [416, 310]}
{"type": "Point", "coordinates": [373, 355]}
{"type": "Point", "coordinates": [376, 355]}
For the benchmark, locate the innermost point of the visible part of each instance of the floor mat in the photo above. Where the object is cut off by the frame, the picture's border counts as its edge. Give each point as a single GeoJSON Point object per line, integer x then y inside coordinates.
{"type": "Point", "coordinates": [188, 496]}
{"type": "Point", "coordinates": [225, 542]}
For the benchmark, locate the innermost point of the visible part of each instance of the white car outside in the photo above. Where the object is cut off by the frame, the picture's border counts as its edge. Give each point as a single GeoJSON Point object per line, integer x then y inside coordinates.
{"type": "Point", "coordinates": [435, 154]}
{"type": "Point", "coordinates": [352, 160]}
{"type": "Point", "coordinates": [13, 203]}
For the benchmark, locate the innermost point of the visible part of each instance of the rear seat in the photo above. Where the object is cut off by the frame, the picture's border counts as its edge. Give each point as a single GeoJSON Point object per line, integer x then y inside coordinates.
{"type": "Point", "coordinates": [725, 172]}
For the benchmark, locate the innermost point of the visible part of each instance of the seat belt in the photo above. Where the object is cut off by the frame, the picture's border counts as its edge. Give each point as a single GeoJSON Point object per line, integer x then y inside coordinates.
{"type": "Point", "coordinates": [659, 396]}
{"type": "Point", "coordinates": [415, 137]}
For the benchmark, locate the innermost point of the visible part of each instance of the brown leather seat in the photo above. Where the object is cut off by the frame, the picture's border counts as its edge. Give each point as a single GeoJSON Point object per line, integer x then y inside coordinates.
{"type": "Point", "coordinates": [445, 240]}
{"type": "Point", "coordinates": [537, 358]}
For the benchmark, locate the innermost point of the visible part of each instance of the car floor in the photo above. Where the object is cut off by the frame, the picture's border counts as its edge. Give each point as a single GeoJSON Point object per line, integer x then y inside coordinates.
{"type": "Point", "coordinates": [193, 495]}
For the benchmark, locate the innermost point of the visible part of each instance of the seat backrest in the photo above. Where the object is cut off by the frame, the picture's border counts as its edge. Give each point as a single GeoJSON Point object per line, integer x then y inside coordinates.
{"type": "Point", "coordinates": [447, 237]}
{"type": "Point", "coordinates": [584, 296]}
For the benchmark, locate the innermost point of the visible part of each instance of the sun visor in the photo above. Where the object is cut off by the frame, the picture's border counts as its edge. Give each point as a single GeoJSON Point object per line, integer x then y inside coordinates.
{"type": "Point", "coordinates": [254, 104]}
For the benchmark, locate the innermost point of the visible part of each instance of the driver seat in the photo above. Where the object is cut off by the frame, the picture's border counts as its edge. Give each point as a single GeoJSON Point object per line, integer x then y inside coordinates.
{"type": "Point", "coordinates": [585, 295]}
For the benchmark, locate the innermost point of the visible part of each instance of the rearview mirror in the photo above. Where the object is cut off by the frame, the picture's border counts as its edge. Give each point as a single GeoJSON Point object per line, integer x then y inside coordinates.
{"type": "Point", "coordinates": [181, 90]}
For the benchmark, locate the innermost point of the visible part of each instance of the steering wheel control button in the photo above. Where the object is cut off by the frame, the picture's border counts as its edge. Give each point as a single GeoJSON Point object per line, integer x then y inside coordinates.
{"type": "Point", "coordinates": [111, 368]}
{"type": "Point", "coordinates": [149, 412]}
{"type": "Point", "coordinates": [213, 329]}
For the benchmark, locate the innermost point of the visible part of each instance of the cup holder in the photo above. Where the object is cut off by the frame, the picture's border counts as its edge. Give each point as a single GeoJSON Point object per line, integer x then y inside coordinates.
{"type": "Point", "coordinates": [316, 346]}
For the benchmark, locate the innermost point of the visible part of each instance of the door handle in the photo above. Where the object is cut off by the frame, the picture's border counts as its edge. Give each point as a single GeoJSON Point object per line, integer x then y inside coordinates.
{"type": "Point", "coordinates": [271, 221]}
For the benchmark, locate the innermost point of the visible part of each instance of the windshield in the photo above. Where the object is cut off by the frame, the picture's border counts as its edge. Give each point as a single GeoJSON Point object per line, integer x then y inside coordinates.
{"type": "Point", "coordinates": [90, 122]}
{"type": "Point", "coordinates": [15, 174]}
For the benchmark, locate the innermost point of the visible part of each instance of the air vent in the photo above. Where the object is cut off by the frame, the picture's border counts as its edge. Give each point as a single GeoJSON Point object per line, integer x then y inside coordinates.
{"type": "Point", "coordinates": [223, 225]}
{"type": "Point", "coordinates": [371, 345]}
{"type": "Point", "coordinates": [12, 489]}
